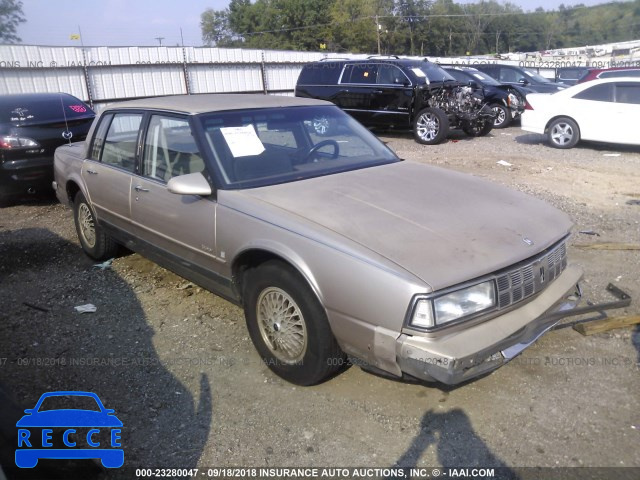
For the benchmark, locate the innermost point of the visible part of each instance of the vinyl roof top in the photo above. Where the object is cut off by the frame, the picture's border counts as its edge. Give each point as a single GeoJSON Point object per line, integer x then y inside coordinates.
{"type": "Point", "coordinates": [195, 104]}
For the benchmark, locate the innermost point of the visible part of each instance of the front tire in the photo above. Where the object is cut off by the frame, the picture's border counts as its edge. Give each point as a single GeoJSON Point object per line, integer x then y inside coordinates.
{"type": "Point", "coordinates": [93, 239]}
{"type": "Point", "coordinates": [477, 128]}
{"type": "Point", "coordinates": [563, 133]}
{"type": "Point", "coordinates": [503, 115]}
{"type": "Point", "coordinates": [288, 325]}
{"type": "Point", "coordinates": [430, 126]}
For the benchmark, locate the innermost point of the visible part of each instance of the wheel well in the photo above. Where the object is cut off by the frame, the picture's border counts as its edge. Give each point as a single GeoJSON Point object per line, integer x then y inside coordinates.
{"type": "Point", "coordinates": [546, 127]}
{"type": "Point", "coordinates": [252, 259]}
{"type": "Point", "coordinates": [72, 190]}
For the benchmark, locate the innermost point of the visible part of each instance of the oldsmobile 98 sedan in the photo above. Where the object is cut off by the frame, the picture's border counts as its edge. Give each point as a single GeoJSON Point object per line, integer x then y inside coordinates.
{"type": "Point", "coordinates": [333, 245]}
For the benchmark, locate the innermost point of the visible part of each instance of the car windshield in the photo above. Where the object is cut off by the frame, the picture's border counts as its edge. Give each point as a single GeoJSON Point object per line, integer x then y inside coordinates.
{"type": "Point", "coordinates": [255, 148]}
{"type": "Point", "coordinates": [536, 76]}
{"type": "Point", "coordinates": [431, 71]}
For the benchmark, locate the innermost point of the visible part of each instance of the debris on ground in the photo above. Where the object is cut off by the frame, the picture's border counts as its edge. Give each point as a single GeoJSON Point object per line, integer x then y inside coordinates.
{"type": "Point", "coordinates": [87, 308]}
{"type": "Point", "coordinates": [104, 265]}
{"type": "Point", "coordinates": [610, 246]}
{"type": "Point", "coordinates": [604, 325]}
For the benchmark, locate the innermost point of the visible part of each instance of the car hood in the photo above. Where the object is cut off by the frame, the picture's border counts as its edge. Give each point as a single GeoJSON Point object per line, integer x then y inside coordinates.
{"type": "Point", "coordinates": [442, 226]}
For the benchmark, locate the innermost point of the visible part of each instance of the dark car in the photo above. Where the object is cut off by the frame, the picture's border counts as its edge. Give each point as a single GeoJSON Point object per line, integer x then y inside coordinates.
{"type": "Point", "coordinates": [397, 93]}
{"type": "Point", "coordinates": [514, 75]}
{"type": "Point", "coordinates": [506, 101]}
{"type": "Point", "coordinates": [32, 126]}
{"type": "Point", "coordinates": [570, 75]}
{"type": "Point", "coordinates": [595, 73]}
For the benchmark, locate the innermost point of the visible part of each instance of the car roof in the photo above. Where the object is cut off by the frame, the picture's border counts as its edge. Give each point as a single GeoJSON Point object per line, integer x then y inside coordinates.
{"type": "Point", "coordinates": [598, 81]}
{"type": "Point", "coordinates": [578, 87]}
{"type": "Point", "coordinates": [611, 69]}
{"type": "Point", "coordinates": [462, 68]}
{"type": "Point", "coordinates": [11, 99]}
{"type": "Point", "coordinates": [378, 59]}
{"type": "Point", "coordinates": [212, 102]}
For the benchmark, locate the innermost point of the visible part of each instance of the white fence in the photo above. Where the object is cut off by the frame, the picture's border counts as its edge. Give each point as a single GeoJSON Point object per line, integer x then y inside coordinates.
{"type": "Point", "coordinates": [100, 75]}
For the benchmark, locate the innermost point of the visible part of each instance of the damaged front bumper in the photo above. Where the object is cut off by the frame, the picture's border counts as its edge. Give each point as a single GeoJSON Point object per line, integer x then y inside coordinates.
{"type": "Point", "coordinates": [474, 351]}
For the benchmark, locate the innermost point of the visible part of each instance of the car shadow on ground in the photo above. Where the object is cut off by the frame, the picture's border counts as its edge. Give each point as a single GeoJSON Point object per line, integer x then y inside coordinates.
{"type": "Point", "coordinates": [456, 444]}
{"type": "Point", "coordinates": [538, 139]}
{"type": "Point", "coordinates": [46, 346]}
{"type": "Point", "coordinates": [36, 199]}
{"type": "Point", "coordinates": [453, 136]}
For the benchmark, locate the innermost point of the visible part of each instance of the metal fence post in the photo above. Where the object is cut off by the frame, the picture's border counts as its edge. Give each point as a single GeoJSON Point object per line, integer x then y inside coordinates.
{"type": "Point", "coordinates": [263, 75]}
{"type": "Point", "coordinates": [85, 69]}
{"type": "Point", "coordinates": [185, 69]}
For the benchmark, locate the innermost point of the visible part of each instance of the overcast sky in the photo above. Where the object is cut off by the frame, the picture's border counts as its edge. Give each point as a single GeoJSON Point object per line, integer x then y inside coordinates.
{"type": "Point", "coordinates": [139, 22]}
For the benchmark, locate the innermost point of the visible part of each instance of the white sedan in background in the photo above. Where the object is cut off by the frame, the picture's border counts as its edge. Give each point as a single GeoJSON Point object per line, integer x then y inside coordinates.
{"type": "Point", "coordinates": [605, 110]}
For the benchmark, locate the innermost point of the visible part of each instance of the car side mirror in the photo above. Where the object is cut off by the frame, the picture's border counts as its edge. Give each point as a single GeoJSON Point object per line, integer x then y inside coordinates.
{"type": "Point", "coordinates": [29, 411]}
{"type": "Point", "coordinates": [190, 184]}
{"type": "Point", "coordinates": [523, 81]}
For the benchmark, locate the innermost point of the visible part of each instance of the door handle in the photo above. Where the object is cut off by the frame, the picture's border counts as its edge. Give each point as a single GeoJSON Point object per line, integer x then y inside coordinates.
{"type": "Point", "coordinates": [139, 188]}
{"type": "Point", "coordinates": [377, 91]}
{"type": "Point", "coordinates": [92, 172]}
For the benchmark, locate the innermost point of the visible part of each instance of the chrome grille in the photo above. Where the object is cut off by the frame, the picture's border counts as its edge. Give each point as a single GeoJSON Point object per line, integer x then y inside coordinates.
{"type": "Point", "coordinates": [521, 282]}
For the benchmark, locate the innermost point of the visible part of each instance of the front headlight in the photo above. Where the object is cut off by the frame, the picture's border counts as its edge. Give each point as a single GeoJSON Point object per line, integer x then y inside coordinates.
{"type": "Point", "coordinates": [513, 100]}
{"type": "Point", "coordinates": [440, 310]}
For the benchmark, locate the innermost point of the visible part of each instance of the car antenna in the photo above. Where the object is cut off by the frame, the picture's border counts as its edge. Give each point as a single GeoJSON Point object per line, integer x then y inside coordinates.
{"type": "Point", "coordinates": [67, 134]}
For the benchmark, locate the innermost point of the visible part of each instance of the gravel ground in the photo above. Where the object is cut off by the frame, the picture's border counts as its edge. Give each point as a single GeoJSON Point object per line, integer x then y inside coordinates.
{"type": "Point", "coordinates": [176, 363]}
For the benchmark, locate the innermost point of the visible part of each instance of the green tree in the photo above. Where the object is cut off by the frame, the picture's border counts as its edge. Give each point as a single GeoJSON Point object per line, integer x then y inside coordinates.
{"type": "Point", "coordinates": [354, 26]}
{"type": "Point", "coordinates": [10, 17]}
{"type": "Point", "coordinates": [215, 27]}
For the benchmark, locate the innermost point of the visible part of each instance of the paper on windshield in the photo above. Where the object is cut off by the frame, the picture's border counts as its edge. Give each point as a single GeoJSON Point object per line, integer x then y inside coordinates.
{"type": "Point", "coordinates": [242, 141]}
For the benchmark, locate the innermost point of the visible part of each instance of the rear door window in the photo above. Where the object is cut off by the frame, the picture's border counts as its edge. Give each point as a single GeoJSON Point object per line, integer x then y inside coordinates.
{"type": "Point", "coordinates": [597, 93]}
{"type": "Point", "coordinates": [364, 73]}
{"type": "Point", "coordinates": [119, 149]}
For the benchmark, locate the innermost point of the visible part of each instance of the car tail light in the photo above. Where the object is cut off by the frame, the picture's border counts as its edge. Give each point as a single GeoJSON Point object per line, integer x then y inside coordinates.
{"type": "Point", "coordinates": [8, 142]}
{"type": "Point", "coordinates": [527, 106]}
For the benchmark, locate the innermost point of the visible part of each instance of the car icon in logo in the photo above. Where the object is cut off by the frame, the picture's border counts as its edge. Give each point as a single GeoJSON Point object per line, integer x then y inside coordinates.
{"type": "Point", "coordinates": [78, 433]}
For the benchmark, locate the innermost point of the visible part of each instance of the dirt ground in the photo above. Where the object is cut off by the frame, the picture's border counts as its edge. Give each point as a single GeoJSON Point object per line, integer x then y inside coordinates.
{"type": "Point", "coordinates": [177, 365]}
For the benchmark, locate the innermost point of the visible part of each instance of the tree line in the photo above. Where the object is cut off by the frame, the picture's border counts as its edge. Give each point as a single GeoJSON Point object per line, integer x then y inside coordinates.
{"type": "Point", "coordinates": [415, 27]}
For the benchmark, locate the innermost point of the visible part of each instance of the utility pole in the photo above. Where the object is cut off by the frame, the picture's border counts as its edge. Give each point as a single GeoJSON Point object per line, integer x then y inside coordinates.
{"type": "Point", "coordinates": [159, 40]}
{"type": "Point", "coordinates": [378, 33]}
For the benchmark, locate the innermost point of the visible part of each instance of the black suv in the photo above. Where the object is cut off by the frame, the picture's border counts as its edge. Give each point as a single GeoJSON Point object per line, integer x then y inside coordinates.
{"type": "Point", "coordinates": [506, 101]}
{"type": "Point", "coordinates": [514, 75]}
{"type": "Point", "coordinates": [397, 93]}
{"type": "Point", "coordinates": [32, 126]}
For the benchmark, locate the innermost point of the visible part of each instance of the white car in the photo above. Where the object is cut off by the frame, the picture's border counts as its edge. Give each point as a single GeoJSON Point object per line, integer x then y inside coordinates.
{"type": "Point", "coordinates": [605, 110]}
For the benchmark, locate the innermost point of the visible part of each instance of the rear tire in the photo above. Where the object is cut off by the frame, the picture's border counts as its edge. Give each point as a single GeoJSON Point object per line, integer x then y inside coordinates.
{"type": "Point", "coordinates": [563, 133]}
{"type": "Point", "coordinates": [430, 126]}
{"type": "Point", "coordinates": [93, 239]}
{"type": "Point", "coordinates": [288, 325]}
